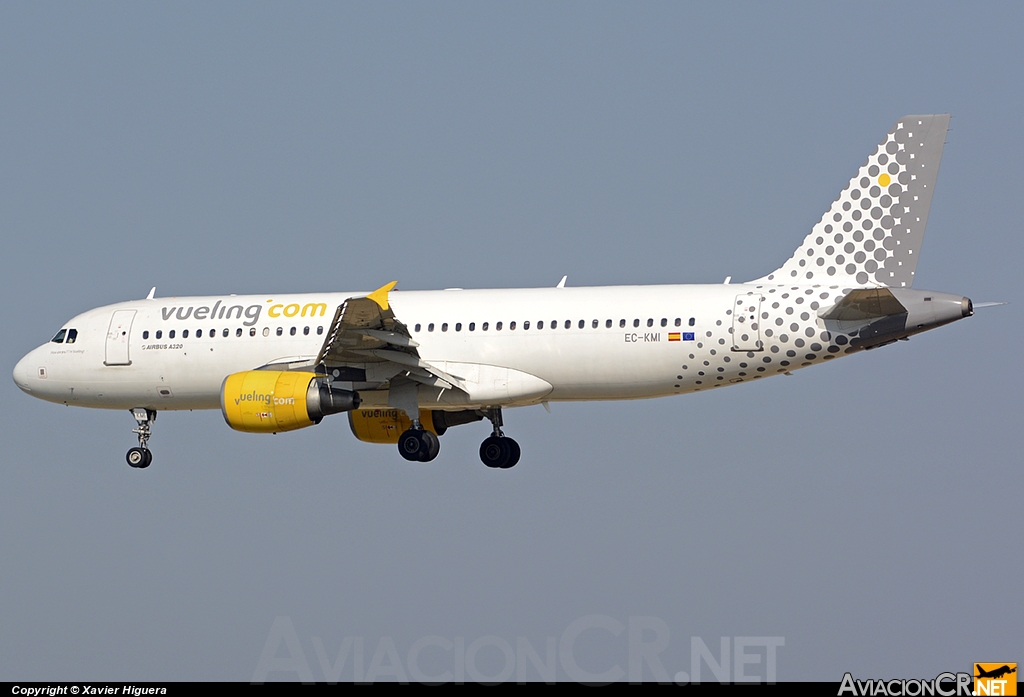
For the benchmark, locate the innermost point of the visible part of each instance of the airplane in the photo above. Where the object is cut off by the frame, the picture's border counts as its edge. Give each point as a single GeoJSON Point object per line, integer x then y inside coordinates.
{"type": "Point", "coordinates": [996, 672]}
{"type": "Point", "coordinates": [406, 366]}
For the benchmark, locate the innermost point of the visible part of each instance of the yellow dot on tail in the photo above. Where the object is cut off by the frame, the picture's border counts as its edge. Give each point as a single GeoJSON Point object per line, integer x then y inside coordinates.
{"type": "Point", "coordinates": [884, 180]}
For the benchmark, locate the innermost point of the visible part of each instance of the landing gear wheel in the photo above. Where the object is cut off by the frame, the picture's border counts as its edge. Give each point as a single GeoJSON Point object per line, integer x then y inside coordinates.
{"type": "Point", "coordinates": [514, 456]}
{"type": "Point", "coordinates": [418, 445]}
{"type": "Point", "coordinates": [139, 458]}
{"type": "Point", "coordinates": [431, 446]}
{"type": "Point", "coordinates": [496, 452]}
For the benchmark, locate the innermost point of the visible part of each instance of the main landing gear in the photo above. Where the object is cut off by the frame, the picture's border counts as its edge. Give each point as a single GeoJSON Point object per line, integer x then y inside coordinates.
{"type": "Point", "coordinates": [418, 444]}
{"type": "Point", "coordinates": [498, 450]}
{"type": "Point", "coordinates": [141, 457]}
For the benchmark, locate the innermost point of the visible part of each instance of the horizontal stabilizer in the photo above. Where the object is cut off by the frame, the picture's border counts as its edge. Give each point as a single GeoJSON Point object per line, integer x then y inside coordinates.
{"type": "Point", "coordinates": [865, 304]}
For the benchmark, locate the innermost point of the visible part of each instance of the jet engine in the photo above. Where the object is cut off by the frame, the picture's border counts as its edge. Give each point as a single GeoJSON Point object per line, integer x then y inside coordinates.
{"type": "Point", "coordinates": [385, 425]}
{"type": "Point", "coordinates": [271, 401]}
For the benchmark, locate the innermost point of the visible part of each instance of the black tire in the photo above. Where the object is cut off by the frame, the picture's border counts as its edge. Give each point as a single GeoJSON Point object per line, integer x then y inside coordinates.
{"type": "Point", "coordinates": [514, 453]}
{"type": "Point", "coordinates": [411, 445]}
{"type": "Point", "coordinates": [431, 446]}
{"type": "Point", "coordinates": [148, 461]}
{"type": "Point", "coordinates": [495, 451]}
{"type": "Point", "coordinates": [136, 457]}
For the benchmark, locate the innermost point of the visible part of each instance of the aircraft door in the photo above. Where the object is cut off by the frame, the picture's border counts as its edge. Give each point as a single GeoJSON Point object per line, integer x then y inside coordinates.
{"type": "Point", "coordinates": [118, 336]}
{"type": "Point", "coordinates": [746, 323]}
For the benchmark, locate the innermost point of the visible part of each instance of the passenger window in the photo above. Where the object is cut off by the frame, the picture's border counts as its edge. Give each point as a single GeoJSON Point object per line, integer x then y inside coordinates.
{"type": "Point", "coordinates": [650, 322]}
{"type": "Point", "coordinates": [430, 327]}
{"type": "Point", "coordinates": [319, 330]}
{"type": "Point", "coordinates": [636, 323]}
{"type": "Point", "coordinates": [678, 322]}
{"type": "Point", "coordinates": [540, 325]}
{"type": "Point", "coordinates": [497, 326]}
{"type": "Point", "coordinates": [444, 326]}
{"type": "Point", "coordinates": [608, 324]}
{"type": "Point", "coordinates": [170, 334]}
{"type": "Point", "coordinates": [458, 326]}
{"type": "Point", "coordinates": [72, 335]}
{"type": "Point", "coordinates": [159, 334]}
{"type": "Point", "coordinates": [568, 324]}
{"type": "Point", "coordinates": [511, 326]}
{"type": "Point", "coordinates": [594, 324]}
{"type": "Point", "coordinates": [472, 326]}
{"type": "Point", "coordinates": [305, 331]}
{"type": "Point", "coordinates": [266, 331]}
{"type": "Point", "coordinates": [199, 333]}
{"type": "Point", "coordinates": [622, 323]}
{"type": "Point", "coordinates": [59, 337]}
{"type": "Point", "coordinates": [238, 332]}
{"type": "Point", "coordinates": [417, 327]}
{"type": "Point", "coordinates": [184, 333]}
{"type": "Point", "coordinates": [225, 332]}
{"type": "Point", "coordinates": [484, 326]}
{"type": "Point", "coordinates": [252, 332]}
{"type": "Point", "coordinates": [691, 321]}
{"type": "Point", "coordinates": [292, 331]}
{"type": "Point", "coordinates": [664, 322]}
{"type": "Point", "coordinates": [526, 325]}
{"type": "Point", "coordinates": [145, 335]}
{"type": "Point", "coordinates": [280, 331]}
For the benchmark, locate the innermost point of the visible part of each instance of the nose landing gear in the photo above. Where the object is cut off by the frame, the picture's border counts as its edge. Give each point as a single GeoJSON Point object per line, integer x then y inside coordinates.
{"type": "Point", "coordinates": [498, 450]}
{"type": "Point", "coordinates": [141, 457]}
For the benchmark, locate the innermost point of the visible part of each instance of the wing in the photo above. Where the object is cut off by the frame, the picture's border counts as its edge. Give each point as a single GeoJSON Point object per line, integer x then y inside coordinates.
{"type": "Point", "coordinates": [366, 336]}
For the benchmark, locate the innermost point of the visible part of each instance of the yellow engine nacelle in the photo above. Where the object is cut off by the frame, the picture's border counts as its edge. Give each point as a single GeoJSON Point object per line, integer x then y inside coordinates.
{"type": "Point", "coordinates": [385, 425]}
{"type": "Point", "coordinates": [272, 401]}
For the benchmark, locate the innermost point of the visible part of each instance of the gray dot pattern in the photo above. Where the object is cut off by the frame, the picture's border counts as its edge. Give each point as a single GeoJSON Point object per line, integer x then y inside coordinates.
{"type": "Point", "coordinates": [801, 340]}
{"type": "Point", "coordinates": [872, 233]}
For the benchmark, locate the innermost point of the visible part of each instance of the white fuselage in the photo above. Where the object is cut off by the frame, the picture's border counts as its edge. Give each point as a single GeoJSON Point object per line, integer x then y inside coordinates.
{"type": "Point", "coordinates": [625, 342]}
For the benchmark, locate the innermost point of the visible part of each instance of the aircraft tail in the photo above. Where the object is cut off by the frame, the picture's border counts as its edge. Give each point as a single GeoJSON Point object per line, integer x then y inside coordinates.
{"type": "Point", "coordinates": [872, 234]}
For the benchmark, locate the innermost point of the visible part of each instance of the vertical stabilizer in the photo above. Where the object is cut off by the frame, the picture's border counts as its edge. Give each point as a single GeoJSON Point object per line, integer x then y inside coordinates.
{"type": "Point", "coordinates": [872, 234]}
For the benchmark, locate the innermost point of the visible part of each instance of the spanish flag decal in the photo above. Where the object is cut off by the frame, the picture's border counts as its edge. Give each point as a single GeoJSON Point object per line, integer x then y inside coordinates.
{"type": "Point", "coordinates": [673, 336]}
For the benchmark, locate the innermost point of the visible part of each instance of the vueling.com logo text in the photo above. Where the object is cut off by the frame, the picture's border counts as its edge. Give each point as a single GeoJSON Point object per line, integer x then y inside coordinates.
{"type": "Point", "coordinates": [251, 312]}
{"type": "Point", "coordinates": [268, 399]}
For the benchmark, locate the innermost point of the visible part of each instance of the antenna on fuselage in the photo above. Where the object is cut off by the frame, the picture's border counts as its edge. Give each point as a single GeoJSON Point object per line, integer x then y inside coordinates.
{"type": "Point", "coordinates": [561, 284]}
{"type": "Point", "coordinates": [152, 293]}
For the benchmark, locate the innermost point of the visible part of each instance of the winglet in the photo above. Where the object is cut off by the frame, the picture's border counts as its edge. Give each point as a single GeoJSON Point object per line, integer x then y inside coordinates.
{"type": "Point", "coordinates": [380, 296]}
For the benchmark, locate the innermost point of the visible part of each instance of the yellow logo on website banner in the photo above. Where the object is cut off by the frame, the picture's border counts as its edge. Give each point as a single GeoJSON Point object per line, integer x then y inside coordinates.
{"type": "Point", "coordinates": [995, 679]}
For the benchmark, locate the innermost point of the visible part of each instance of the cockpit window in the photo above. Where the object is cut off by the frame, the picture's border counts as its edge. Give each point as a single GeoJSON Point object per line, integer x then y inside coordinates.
{"type": "Point", "coordinates": [59, 339]}
{"type": "Point", "coordinates": [72, 335]}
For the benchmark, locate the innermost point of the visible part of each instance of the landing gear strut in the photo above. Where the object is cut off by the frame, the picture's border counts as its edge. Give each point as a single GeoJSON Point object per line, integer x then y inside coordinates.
{"type": "Point", "coordinates": [498, 450]}
{"type": "Point", "coordinates": [418, 444]}
{"type": "Point", "coordinates": [141, 457]}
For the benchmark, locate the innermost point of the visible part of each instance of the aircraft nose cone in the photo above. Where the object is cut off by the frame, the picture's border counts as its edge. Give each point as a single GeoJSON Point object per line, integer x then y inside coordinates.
{"type": "Point", "coordinates": [23, 373]}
